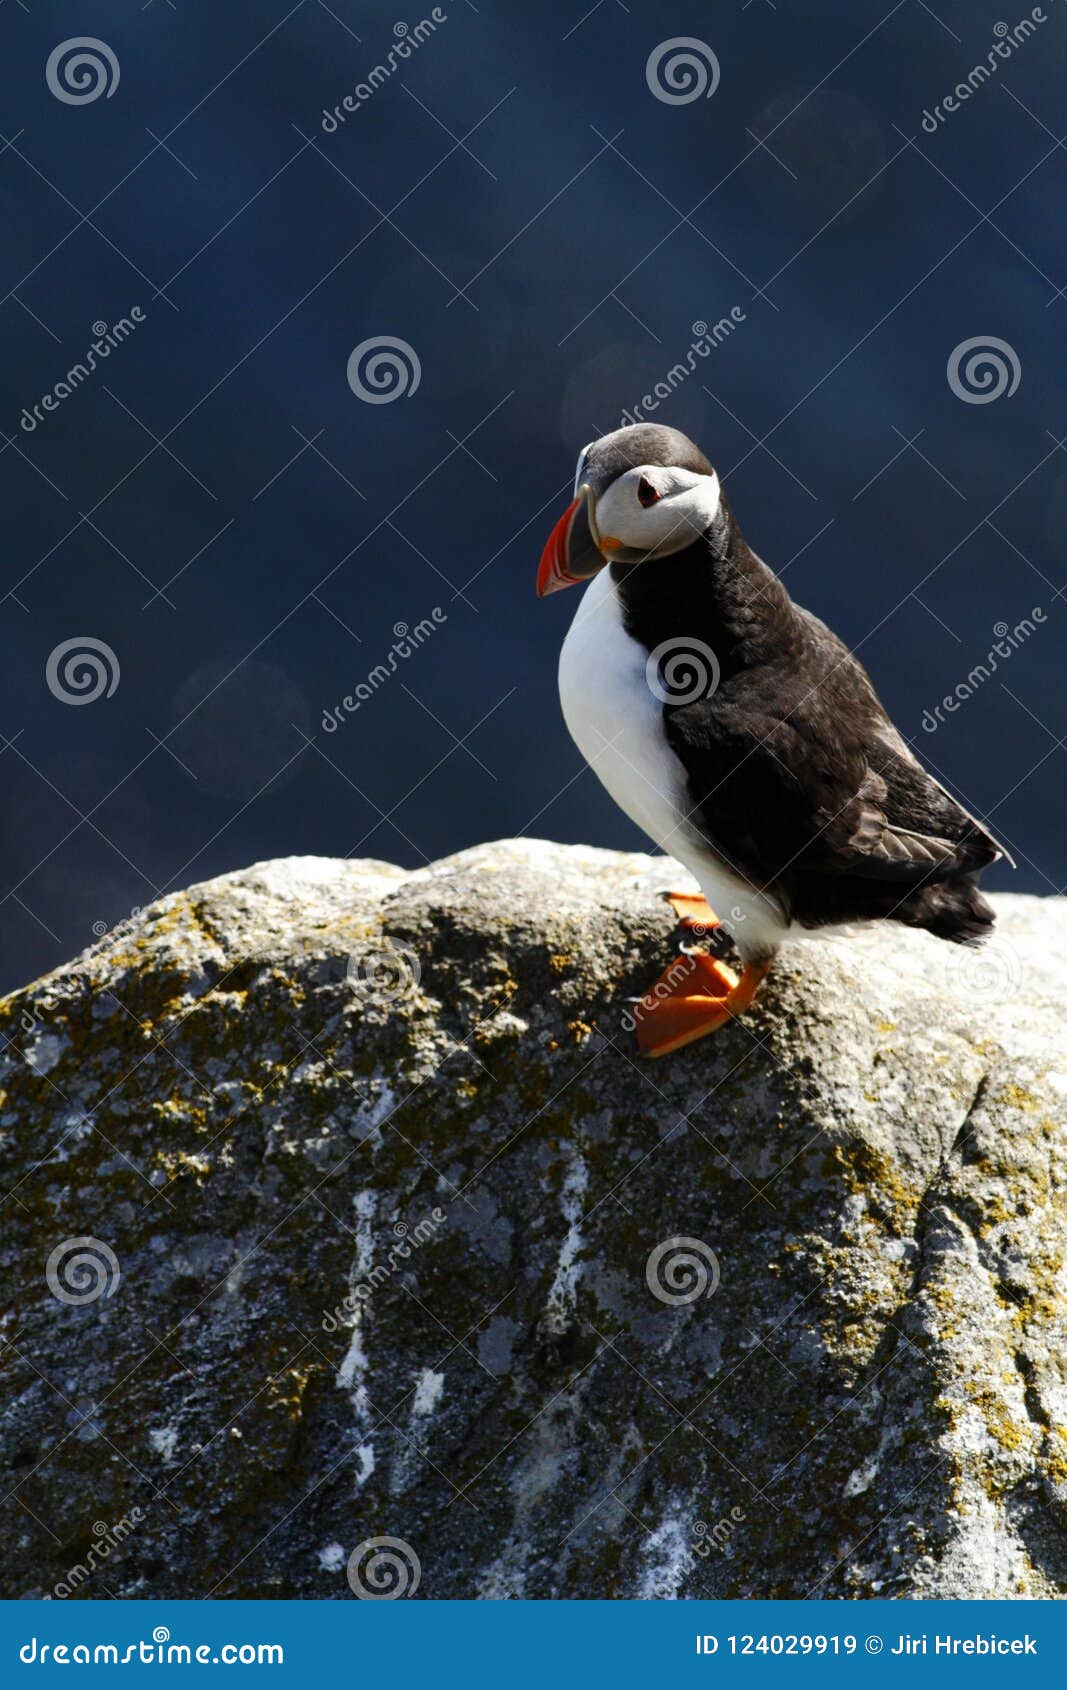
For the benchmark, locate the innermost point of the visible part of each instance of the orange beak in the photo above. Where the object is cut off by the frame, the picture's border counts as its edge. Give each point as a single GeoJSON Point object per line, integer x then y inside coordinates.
{"type": "Point", "coordinates": [553, 574]}
{"type": "Point", "coordinates": [572, 552]}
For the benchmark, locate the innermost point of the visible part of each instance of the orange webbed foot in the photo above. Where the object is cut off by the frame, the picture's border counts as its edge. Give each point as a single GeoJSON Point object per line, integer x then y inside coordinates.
{"type": "Point", "coordinates": [695, 996]}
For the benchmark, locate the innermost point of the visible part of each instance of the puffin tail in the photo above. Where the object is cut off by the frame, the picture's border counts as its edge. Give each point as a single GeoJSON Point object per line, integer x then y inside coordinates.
{"type": "Point", "coordinates": [950, 909]}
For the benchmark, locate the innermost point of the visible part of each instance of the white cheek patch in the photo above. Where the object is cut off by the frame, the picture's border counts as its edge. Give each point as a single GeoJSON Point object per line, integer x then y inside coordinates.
{"type": "Point", "coordinates": [700, 504]}
{"type": "Point", "coordinates": [688, 506]}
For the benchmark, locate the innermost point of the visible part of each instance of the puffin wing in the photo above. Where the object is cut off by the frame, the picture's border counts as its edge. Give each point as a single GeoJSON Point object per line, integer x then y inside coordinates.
{"type": "Point", "coordinates": [911, 782]}
{"type": "Point", "coordinates": [781, 784]}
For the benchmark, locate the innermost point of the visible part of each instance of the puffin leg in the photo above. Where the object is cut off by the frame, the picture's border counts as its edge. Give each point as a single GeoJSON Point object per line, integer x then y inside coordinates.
{"type": "Point", "coordinates": [684, 1006]}
{"type": "Point", "coordinates": [692, 910]}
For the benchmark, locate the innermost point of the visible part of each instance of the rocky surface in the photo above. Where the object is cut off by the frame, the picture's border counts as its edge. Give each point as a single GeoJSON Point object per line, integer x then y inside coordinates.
{"type": "Point", "coordinates": [383, 1216]}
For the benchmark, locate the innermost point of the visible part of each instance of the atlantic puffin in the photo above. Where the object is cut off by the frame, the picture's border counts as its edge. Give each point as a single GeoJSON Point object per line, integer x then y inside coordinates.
{"type": "Point", "coordinates": [741, 735]}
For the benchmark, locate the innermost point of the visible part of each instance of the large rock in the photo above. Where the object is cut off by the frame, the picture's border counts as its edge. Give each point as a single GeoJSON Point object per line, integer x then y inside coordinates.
{"type": "Point", "coordinates": [318, 1081]}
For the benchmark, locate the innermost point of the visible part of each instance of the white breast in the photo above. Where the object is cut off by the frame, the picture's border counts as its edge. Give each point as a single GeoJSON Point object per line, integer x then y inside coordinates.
{"type": "Point", "coordinates": [616, 721]}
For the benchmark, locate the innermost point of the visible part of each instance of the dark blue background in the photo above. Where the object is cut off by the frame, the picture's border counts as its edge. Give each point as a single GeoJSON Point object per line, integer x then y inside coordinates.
{"type": "Point", "coordinates": [263, 250]}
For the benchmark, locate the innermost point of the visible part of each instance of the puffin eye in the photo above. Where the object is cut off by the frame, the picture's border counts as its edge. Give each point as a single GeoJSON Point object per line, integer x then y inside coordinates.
{"type": "Point", "coordinates": [646, 493]}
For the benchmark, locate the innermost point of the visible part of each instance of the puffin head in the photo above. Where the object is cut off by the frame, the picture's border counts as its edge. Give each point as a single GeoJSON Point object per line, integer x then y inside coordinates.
{"type": "Point", "coordinates": [639, 493]}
